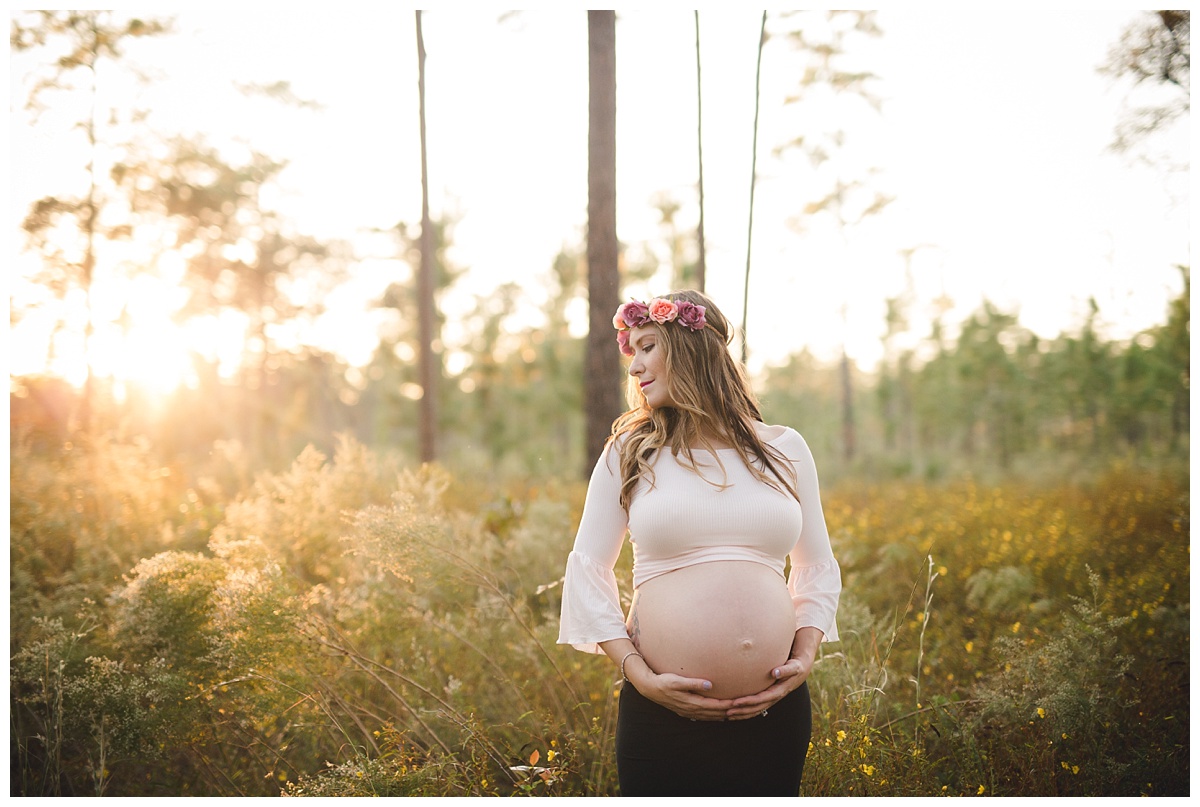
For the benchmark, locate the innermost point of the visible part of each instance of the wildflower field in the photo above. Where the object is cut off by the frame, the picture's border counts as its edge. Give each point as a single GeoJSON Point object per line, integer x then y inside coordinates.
{"type": "Point", "coordinates": [351, 626]}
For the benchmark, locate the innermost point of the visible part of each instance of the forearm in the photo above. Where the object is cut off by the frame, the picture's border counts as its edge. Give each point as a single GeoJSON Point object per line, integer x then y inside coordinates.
{"type": "Point", "coordinates": [623, 651]}
{"type": "Point", "coordinates": [805, 645]}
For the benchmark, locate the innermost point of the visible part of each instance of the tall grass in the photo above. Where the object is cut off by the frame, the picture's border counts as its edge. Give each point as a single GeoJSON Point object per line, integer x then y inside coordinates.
{"type": "Point", "coordinates": [351, 626]}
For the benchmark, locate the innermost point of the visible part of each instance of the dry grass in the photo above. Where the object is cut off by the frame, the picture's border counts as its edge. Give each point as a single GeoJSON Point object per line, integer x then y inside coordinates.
{"type": "Point", "coordinates": [349, 627]}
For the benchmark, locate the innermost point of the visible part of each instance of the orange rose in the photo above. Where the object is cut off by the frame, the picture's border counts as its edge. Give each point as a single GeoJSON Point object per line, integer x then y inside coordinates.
{"type": "Point", "coordinates": [662, 310]}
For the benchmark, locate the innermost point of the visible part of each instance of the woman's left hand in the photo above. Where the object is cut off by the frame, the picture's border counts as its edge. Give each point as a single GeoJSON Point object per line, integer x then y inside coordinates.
{"type": "Point", "coordinates": [788, 678]}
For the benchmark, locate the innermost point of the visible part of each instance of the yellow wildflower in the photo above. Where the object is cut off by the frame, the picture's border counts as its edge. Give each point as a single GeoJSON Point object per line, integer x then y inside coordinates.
{"type": "Point", "coordinates": [1041, 712]}
{"type": "Point", "coordinates": [980, 791]}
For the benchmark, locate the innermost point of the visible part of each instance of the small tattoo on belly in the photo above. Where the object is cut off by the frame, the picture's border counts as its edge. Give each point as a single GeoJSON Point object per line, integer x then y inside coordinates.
{"type": "Point", "coordinates": [635, 631]}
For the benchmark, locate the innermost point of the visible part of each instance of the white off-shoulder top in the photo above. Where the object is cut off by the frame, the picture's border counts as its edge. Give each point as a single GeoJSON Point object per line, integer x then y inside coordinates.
{"type": "Point", "coordinates": [682, 519]}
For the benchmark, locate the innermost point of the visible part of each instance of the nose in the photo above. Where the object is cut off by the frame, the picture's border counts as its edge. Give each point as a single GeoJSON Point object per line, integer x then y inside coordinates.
{"type": "Point", "coordinates": [635, 367]}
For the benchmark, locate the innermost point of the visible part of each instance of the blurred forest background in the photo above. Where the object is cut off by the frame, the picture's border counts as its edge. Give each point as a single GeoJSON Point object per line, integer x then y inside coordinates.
{"type": "Point", "coordinates": [278, 570]}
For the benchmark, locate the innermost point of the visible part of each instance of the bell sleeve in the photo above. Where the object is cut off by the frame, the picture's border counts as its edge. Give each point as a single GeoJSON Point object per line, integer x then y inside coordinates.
{"type": "Point", "coordinates": [591, 603]}
{"type": "Point", "coordinates": [815, 580]}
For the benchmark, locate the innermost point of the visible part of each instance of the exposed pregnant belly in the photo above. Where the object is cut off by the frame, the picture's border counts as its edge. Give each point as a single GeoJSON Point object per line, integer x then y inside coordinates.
{"type": "Point", "coordinates": [729, 622]}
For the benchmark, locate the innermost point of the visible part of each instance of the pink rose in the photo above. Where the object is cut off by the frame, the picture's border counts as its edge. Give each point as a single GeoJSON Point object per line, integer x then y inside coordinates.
{"type": "Point", "coordinates": [623, 341]}
{"type": "Point", "coordinates": [662, 310]}
{"type": "Point", "coordinates": [634, 314]}
{"type": "Point", "coordinates": [691, 315]}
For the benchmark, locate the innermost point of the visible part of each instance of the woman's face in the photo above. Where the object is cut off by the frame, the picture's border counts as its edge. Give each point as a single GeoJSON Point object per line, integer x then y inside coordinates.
{"type": "Point", "coordinates": [649, 366]}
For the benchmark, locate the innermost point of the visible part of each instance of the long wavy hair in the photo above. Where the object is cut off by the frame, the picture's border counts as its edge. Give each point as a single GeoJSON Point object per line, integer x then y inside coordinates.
{"type": "Point", "coordinates": [712, 397]}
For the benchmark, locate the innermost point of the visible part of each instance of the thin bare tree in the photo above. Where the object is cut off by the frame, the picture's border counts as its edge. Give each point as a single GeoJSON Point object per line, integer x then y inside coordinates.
{"type": "Point", "coordinates": [701, 263]}
{"type": "Point", "coordinates": [762, 37]}
{"type": "Point", "coordinates": [425, 283]}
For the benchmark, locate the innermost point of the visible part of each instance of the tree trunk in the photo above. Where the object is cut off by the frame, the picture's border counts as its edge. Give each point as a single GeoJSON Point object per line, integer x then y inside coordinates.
{"type": "Point", "coordinates": [425, 314]}
{"type": "Point", "coordinates": [602, 367]}
{"type": "Point", "coordinates": [762, 38]}
{"type": "Point", "coordinates": [701, 260]}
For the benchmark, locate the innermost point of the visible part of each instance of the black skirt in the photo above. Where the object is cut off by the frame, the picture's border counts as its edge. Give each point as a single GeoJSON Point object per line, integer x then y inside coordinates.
{"type": "Point", "coordinates": [660, 753]}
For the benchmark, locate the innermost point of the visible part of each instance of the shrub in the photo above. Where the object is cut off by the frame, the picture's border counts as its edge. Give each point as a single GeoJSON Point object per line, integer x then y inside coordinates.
{"type": "Point", "coordinates": [75, 720]}
{"type": "Point", "coordinates": [352, 627]}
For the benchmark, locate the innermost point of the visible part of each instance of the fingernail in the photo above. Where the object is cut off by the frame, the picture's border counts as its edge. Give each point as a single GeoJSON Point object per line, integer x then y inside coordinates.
{"type": "Point", "coordinates": [707, 685]}
{"type": "Point", "coordinates": [775, 672]}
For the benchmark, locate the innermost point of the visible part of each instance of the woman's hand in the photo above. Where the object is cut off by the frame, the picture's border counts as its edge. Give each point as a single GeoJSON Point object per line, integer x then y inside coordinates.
{"type": "Point", "coordinates": [684, 696]}
{"type": "Point", "coordinates": [788, 678]}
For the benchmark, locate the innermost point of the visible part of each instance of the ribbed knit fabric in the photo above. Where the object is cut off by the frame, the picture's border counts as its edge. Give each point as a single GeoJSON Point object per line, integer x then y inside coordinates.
{"type": "Point", "coordinates": [683, 519]}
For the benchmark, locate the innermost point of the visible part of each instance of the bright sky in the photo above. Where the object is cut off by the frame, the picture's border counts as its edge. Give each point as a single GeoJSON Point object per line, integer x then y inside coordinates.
{"type": "Point", "coordinates": [992, 139]}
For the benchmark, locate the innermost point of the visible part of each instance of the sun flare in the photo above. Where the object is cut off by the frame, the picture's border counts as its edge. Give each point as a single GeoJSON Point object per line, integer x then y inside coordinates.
{"type": "Point", "coordinates": [138, 339]}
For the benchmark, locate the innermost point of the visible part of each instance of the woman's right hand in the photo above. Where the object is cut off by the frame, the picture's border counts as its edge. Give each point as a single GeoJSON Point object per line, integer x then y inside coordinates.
{"type": "Point", "coordinates": [685, 697]}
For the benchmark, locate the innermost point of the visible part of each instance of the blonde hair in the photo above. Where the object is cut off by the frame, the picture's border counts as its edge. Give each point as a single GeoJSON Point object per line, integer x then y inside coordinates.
{"type": "Point", "coordinates": [711, 396]}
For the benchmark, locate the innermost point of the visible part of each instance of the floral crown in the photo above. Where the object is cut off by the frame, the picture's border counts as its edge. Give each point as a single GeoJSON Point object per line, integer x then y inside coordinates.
{"type": "Point", "coordinates": [635, 314]}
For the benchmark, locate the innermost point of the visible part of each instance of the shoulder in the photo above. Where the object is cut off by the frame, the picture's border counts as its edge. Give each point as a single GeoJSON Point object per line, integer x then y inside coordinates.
{"type": "Point", "coordinates": [769, 433]}
{"type": "Point", "coordinates": [615, 449]}
{"type": "Point", "coordinates": [617, 444]}
{"type": "Point", "coordinates": [784, 438]}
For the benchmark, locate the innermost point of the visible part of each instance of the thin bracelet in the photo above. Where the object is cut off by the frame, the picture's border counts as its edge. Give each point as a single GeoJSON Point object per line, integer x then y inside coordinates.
{"type": "Point", "coordinates": [627, 655]}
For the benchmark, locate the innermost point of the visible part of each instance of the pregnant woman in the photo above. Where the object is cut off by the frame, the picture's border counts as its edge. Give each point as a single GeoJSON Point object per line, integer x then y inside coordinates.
{"type": "Point", "coordinates": [718, 642]}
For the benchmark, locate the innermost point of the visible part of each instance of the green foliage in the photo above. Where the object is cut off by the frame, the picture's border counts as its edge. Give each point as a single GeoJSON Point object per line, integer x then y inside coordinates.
{"type": "Point", "coordinates": [999, 401]}
{"type": "Point", "coordinates": [357, 627]}
{"type": "Point", "coordinates": [74, 719]}
{"type": "Point", "coordinates": [1067, 685]}
{"type": "Point", "coordinates": [1001, 592]}
{"type": "Point", "coordinates": [296, 518]}
{"type": "Point", "coordinates": [435, 606]}
{"type": "Point", "coordinates": [955, 679]}
{"type": "Point", "coordinates": [83, 514]}
{"type": "Point", "coordinates": [163, 610]}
